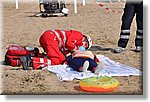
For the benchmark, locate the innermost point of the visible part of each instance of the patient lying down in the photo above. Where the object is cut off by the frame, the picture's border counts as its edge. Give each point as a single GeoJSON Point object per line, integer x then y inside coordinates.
{"type": "Point", "coordinates": [84, 60]}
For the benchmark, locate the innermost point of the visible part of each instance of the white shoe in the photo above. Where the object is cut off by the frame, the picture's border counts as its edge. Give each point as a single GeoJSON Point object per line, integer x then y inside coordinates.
{"type": "Point", "coordinates": [85, 66]}
{"type": "Point", "coordinates": [139, 49]}
{"type": "Point", "coordinates": [119, 50]}
{"type": "Point", "coordinates": [98, 68]}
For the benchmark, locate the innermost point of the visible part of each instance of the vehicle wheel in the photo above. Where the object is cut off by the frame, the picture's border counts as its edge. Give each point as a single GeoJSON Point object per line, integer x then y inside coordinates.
{"type": "Point", "coordinates": [66, 15]}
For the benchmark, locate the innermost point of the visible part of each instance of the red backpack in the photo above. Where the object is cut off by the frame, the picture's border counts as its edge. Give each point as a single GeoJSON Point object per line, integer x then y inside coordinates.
{"type": "Point", "coordinates": [15, 52]}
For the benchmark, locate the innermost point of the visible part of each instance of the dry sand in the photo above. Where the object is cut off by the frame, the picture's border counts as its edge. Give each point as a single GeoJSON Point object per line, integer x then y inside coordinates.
{"type": "Point", "coordinates": [21, 27]}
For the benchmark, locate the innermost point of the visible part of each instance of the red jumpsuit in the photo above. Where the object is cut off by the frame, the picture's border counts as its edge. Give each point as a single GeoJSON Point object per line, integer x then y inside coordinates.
{"type": "Point", "coordinates": [58, 43]}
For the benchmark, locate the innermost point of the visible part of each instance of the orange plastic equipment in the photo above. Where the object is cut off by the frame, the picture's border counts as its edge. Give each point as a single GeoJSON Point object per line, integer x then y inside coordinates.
{"type": "Point", "coordinates": [99, 84]}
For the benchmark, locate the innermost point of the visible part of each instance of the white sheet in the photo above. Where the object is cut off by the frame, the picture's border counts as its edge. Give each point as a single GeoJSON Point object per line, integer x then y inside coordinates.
{"type": "Point", "coordinates": [111, 68]}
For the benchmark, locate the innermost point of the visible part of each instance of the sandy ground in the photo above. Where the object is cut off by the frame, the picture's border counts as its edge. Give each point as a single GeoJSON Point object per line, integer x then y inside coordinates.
{"type": "Point", "coordinates": [21, 27]}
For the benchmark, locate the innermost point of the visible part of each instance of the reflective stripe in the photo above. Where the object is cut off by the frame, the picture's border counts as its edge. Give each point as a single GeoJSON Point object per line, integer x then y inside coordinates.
{"type": "Point", "coordinates": [17, 62]}
{"type": "Point", "coordinates": [58, 36]}
{"type": "Point", "coordinates": [41, 60]}
{"type": "Point", "coordinates": [48, 62]}
{"type": "Point", "coordinates": [139, 36]}
{"type": "Point", "coordinates": [64, 34]}
{"type": "Point", "coordinates": [65, 38]}
{"type": "Point", "coordinates": [42, 65]}
{"type": "Point", "coordinates": [140, 31]}
{"type": "Point", "coordinates": [125, 31]}
{"type": "Point", "coordinates": [124, 36]}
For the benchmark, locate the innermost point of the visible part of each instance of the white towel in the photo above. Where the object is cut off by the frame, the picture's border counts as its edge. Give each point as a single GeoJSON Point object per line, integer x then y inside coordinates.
{"type": "Point", "coordinates": [111, 68]}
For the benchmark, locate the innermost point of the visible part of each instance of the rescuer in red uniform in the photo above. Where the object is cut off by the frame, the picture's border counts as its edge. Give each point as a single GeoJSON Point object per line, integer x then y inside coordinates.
{"type": "Point", "coordinates": [58, 43]}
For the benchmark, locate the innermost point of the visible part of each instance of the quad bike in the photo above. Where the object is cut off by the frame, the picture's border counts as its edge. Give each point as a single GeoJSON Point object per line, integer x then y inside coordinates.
{"type": "Point", "coordinates": [52, 8]}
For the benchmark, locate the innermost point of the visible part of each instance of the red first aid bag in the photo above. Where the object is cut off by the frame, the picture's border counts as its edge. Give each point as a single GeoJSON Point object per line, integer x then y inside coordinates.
{"type": "Point", "coordinates": [14, 52]}
{"type": "Point", "coordinates": [12, 60]}
{"type": "Point", "coordinates": [17, 50]}
{"type": "Point", "coordinates": [40, 62]}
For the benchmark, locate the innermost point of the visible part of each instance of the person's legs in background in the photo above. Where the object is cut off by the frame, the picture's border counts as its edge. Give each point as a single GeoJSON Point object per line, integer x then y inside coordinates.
{"type": "Point", "coordinates": [129, 12]}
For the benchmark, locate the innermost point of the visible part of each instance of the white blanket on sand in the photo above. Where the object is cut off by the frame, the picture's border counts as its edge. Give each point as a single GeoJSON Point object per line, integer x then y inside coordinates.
{"type": "Point", "coordinates": [111, 68]}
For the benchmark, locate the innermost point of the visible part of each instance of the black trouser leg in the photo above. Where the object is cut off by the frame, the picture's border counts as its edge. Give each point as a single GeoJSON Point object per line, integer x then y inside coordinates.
{"type": "Point", "coordinates": [129, 12]}
{"type": "Point", "coordinates": [139, 38]}
{"type": "Point", "coordinates": [139, 21]}
{"type": "Point", "coordinates": [124, 37]}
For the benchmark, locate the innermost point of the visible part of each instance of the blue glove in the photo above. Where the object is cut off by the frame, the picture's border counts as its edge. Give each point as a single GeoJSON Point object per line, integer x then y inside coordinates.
{"type": "Point", "coordinates": [81, 48]}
